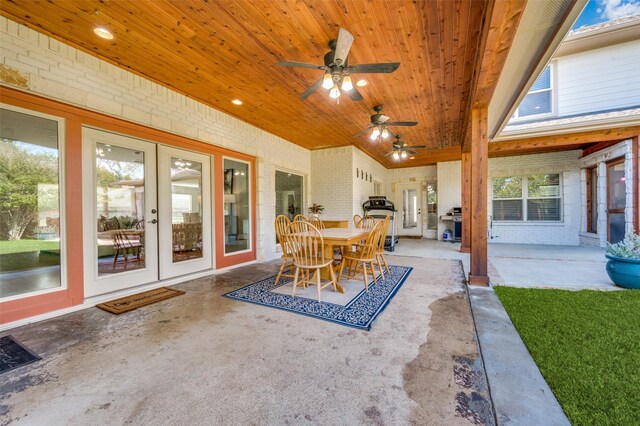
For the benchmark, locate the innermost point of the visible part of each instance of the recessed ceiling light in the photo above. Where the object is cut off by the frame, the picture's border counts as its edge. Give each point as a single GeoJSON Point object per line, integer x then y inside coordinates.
{"type": "Point", "coordinates": [412, 158]}
{"type": "Point", "coordinates": [103, 33]}
{"type": "Point", "coordinates": [362, 83]}
{"type": "Point", "coordinates": [236, 102]}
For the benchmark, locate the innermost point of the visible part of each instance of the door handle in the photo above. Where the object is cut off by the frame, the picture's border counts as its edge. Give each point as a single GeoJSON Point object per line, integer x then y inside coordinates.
{"type": "Point", "coordinates": [154, 221]}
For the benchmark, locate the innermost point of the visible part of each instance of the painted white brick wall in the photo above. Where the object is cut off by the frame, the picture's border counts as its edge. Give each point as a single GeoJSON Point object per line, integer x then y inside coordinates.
{"type": "Point", "coordinates": [61, 72]}
{"type": "Point", "coordinates": [333, 176]}
{"type": "Point", "coordinates": [565, 232]}
{"type": "Point", "coordinates": [363, 186]}
{"type": "Point", "coordinates": [449, 191]}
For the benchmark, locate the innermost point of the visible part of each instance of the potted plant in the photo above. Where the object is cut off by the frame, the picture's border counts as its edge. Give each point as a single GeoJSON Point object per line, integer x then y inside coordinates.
{"type": "Point", "coordinates": [315, 209]}
{"type": "Point", "coordinates": [623, 266]}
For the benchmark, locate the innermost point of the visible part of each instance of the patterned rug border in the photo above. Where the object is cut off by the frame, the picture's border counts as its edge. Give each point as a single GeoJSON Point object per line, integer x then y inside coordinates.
{"type": "Point", "coordinates": [310, 304]}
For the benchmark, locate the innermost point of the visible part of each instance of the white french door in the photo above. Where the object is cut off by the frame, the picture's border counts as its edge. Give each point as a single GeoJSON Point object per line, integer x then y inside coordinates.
{"type": "Point", "coordinates": [119, 211]}
{"type": "Point", "coordinates": [184, 182]}
{"type": "Point", "coordinates": [409, 200]}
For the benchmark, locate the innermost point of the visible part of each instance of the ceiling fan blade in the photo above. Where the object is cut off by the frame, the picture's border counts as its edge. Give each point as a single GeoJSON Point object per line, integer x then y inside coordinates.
{"type": "Point", "coordinates": [354, 94]}
{"type": "Point", "coordinates": [362, 131]}
{"type": "Point", "coordinates": [415, 146]}
{"type": "Point", "coordinates": [382, 119]}
{"type": "Point", "coordinates": [311, 89]}
{"type": "Point", "coordinates": [345, 40]}
{"type": "Point", "coordinates": [410, 151]}
{"type": "Point", "coordinates": [385, 68]}
{"type": "Point", "coordinates": [393, 135]}
{"type": "Point", "coordinates": [299, 64]}
{"type": "Point", "coordinates": [402, 123]}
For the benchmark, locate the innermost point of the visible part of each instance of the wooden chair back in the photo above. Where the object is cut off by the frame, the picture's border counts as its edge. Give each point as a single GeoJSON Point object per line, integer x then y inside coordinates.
{"type": "Point", "coordinates": [369, 249]}
{"type": "Point", "coordinates": [315, 221]}
{"type": "Point", "coordinates": [299, 217]}
{"type": "Point", "coordinates": [367, 222]}
{"type": "Point", "coordinates": [306, 244]}
{"type": "Point", "coordinates": [281, 224]}
{"type": "Point", "coordinates": [383, 233]}
{"type": "Point", "coordinates": [356, 220]}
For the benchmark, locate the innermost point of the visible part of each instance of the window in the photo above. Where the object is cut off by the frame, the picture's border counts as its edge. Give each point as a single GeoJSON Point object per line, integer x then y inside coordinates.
{"type": "Point", "coordinates": [592, 200]}
{"type": "Point", "coordinates": [31, 229]}
{"type": "Point", "coordinates": [527, 198]}
{"type": "Point", "coordinates": [432, 205]}
{"type": "Point", "coordinates": [539, 98]}
{"type": "Point", "coordinates": [289, 194]}
{"type": "Point", "coordinates": [236, 206]}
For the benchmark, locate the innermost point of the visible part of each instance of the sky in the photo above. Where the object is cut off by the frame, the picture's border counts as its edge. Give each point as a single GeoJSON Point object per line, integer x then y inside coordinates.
{"type": "Point", "coordinates": [598, 11]}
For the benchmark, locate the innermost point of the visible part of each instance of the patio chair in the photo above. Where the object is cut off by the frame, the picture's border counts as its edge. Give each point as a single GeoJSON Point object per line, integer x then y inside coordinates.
{"type": "Point", "coordinates": [124, 245]}
{"type": "Point", "coordinates": [363, 256]}
{"type": "Point", "coordinates": [380, 259]}
{"type": "Point", "coordinates": [307, 248]}
{"type": "Point", "coordinates": [281, 224]}
{"type": "Point", "coordinates": [356, 220]}
{"type": "Point", "coordinates": [299, 217]}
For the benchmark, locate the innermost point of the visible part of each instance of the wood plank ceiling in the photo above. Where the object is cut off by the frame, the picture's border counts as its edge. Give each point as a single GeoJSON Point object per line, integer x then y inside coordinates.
{"type": "Point", "coordinates": [217, 51]}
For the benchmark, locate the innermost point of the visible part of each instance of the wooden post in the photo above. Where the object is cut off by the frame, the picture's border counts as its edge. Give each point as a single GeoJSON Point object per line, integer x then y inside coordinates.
{"type": "Point", "coordinates": [479, 175]}
{"type": "Point", "coordinates": [465, 246]}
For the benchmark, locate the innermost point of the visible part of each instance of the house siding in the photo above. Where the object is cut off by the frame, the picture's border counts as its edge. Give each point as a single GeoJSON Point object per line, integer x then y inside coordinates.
{"type": "Point", "coordinates": [599, 79]}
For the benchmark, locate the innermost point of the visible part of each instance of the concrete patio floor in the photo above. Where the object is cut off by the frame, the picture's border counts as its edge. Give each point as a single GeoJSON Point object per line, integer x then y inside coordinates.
{"type": "Point", "coordinates": [526, 265]}
{"type": "Point", "coordinates": [205, 359]}
{"type": "Point", "coordinates": [201, 358]}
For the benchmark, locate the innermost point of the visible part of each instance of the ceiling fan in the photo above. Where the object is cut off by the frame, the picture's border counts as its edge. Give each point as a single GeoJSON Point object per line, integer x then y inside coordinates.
{"type": "Point", "coordinates": [401, 150]}
{"type": "Point", "coordinates": [337, 69]}
{"type": "Point", "coordinates": [379, 123]}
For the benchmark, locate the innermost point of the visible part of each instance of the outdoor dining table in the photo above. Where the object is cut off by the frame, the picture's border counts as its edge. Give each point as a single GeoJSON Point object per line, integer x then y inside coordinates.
{"type": "Point", "coordinates": [339, 237]}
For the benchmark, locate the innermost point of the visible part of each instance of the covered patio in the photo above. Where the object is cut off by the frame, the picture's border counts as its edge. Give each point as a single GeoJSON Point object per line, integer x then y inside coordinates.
{"type": "Point", "coordinates": [191, 126]}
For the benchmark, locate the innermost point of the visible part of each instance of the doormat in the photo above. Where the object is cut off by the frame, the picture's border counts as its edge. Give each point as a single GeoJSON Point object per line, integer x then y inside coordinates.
{"type": "Point", "coordinates": [359, 309]}
{"type": "Point", "coordinates": [14, 354]}
{"type": "Point", "coordinates": [129, 303]}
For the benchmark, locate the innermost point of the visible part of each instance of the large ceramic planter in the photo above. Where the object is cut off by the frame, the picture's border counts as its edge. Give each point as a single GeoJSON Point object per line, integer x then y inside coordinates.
{"type": "Point", "coordinates": [624, 272]}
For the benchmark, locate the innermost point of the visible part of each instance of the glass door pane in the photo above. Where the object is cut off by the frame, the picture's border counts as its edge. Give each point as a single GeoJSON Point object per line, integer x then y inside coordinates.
{"type": "Point", "coordinates": [120, 188]}
{"type": "Point", "coordinates": [617, 200]}
{"type": "Point", "coordinates": [30, 226]}
{"type": "Point", "coordinates": [237, 219]}
{"type": "Point", "coordinates": [409, 210]}
{"type": "Point", "coordinates": [184, 183]}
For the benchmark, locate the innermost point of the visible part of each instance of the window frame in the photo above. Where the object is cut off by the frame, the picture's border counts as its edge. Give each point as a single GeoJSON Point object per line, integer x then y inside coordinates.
{"type": "Point", "coordinates": [250, 233]}
{"type": "Point", "coordinates": [553, 98]}
{"type": "Point", "coordinates": [62, 199]}
{"type": "Point", "coordinates": [525, 198]}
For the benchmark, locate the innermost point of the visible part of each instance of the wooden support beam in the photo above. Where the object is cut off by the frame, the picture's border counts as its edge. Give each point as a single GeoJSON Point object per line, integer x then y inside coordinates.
{"type": "Point", "coordinates": [465, 246]}
{"type": "Point", "coordinates": [479, 181]}
{"type": "Point", "coordinates": [564, 141]}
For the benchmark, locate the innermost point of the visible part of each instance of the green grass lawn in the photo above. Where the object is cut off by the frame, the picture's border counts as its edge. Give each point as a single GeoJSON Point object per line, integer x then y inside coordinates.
{"type": "Point", "coordinates": [26, 246]}
{"type": "Point", "coordinates": [587, 345]}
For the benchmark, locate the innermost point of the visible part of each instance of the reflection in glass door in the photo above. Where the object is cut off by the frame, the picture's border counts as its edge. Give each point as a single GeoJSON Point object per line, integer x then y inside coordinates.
{"type": "Point", "coordinates": [410, 222]}
{"type": "Point", "coordinates": [237, 231]}
{"type": "Point", "coordinates": [185, 212]}
{"type": "Point", "coordinates": [616, 200]}
{"type": "Point", "coordinates": [120, 211]}
{"type": "Point", "coordinates": [31, 229]}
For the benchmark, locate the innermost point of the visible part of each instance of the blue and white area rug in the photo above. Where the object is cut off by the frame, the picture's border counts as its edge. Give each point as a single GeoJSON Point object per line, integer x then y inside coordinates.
{"type": "Point", "coordinates": [355, 308]}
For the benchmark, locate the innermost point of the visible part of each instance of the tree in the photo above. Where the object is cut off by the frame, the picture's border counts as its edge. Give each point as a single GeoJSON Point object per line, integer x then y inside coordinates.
{"type": "Point", "coordinates": [22, 170]}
